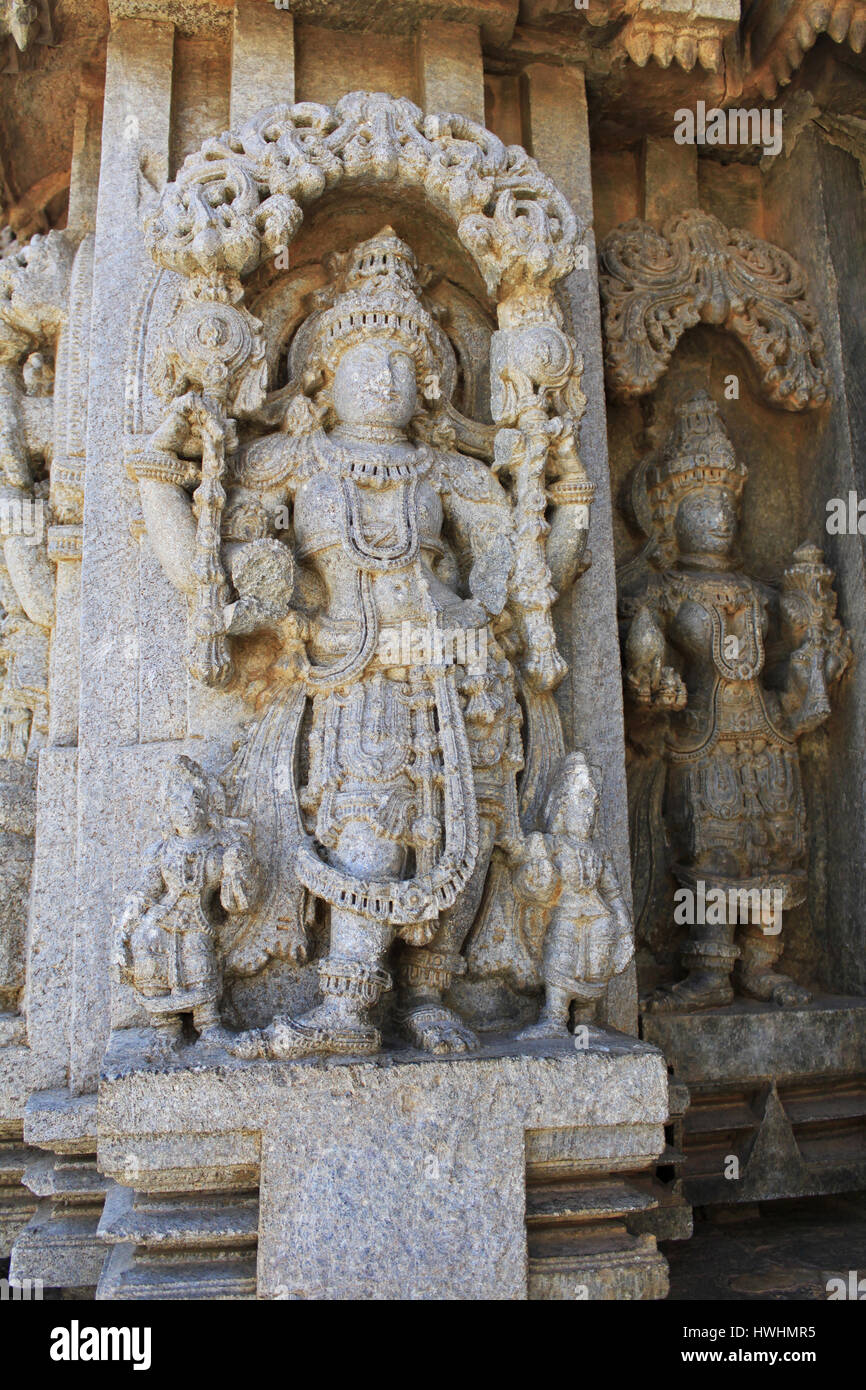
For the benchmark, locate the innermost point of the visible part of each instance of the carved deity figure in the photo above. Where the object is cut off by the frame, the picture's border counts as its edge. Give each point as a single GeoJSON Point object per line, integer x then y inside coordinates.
{"type": "Point", "coordinates": [406, 609]}
{"type": "Point", "coordinates": [696, 664]}
{"type": "Point", "coordinates": [410, 764]}
{"type": "Point", "coordinates": [167, 943]}
{"type": "Point", "coordinates": [589, 934]}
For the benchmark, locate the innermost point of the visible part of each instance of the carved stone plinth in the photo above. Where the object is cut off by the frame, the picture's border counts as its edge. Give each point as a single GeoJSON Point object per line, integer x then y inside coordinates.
{"type": "Point", "coordinates": [17, 1204]}
{"type": "Point", "coordinates": [510, 1174]}
{"type": "Point", "coordinates": [59, 1245]}
{"type": "Point", "coordinates": [670, 1216]}
{"type": "Point", "coordinates": [781, 1092]}
{"type": "Point", "coordinates": [200, 1246]}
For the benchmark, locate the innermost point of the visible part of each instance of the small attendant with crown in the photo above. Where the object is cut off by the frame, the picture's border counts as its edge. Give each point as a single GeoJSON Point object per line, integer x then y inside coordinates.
{"type": "Point", "coordinates": [695, 657]}
{"type": "Point", "coordinates": [569, 871]}
{"type": "Point", "coordinates": [166, 945]}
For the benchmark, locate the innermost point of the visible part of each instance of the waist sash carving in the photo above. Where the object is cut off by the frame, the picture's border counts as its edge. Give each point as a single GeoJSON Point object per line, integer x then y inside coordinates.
{"type": "Point", "coordinates": [414, 904]}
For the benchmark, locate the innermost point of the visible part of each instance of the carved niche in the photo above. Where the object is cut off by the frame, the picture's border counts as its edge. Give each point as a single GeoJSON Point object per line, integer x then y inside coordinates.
{"type": "Point", "coordinates": [369, 558]}
{"type": "Point", "coordinates": [723, 674]}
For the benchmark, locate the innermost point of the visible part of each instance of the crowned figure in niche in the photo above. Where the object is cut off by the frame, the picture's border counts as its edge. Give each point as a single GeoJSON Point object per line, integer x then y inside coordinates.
{"type": "Point", "coordinates": [696, 662]}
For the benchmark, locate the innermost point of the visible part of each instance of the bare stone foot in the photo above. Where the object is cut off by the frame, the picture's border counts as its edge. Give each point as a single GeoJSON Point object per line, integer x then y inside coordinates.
{"type": "Point", "coordinates": [235, 1044]}
{"type": "Point", "coordinates": [544, 1028]}
{"type": "Point", "coordinates": [434, 1028]}
{"type": "Point", "coordinates": [321, 1031]}
{"type": "Point", "coordinates": [775, 989]}
{"type": "Point", "coordinates": [690, 995]}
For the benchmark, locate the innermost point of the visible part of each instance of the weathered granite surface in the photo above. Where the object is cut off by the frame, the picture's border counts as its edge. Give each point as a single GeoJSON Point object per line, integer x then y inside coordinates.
{"type": "Point", "coordinates": [423, 1159]}
{"type": "Point", "coordinates": [383, 284]}
{"type": "Point", "coordinates": [750, 1041]}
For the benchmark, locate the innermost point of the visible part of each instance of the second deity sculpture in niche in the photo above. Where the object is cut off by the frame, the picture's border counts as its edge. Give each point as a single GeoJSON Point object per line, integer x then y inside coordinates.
{"type": "Point", "coordinates": [696, 666]}
{"type": "Point", "coordinates": [381, 784]}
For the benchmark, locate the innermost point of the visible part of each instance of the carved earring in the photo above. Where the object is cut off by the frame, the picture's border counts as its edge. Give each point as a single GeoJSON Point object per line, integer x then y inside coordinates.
{"type": "Point", "coordinates": [432, 390]}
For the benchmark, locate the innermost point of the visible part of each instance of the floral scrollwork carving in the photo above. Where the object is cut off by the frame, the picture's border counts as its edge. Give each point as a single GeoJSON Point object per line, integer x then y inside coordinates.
{"type": "Point", "coordinates": [240, 198]}
{"type": "Point", "coordinates": [655, 285]}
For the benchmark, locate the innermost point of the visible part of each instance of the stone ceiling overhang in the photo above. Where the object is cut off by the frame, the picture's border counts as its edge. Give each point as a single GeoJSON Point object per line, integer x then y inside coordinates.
{"type": "Point", "coordinates": [495, 18]}
{"type": "Point", "coordinates": [643, 59]}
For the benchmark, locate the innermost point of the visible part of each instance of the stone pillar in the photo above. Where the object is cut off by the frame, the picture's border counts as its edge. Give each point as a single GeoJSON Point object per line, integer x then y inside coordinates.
{"type": "Point", "coordinates": [263, 59]}
{"type": "Point", "coordinates": [591, 696]}
{"type": "Point", "coordinates": [134, 167]}
{"type": "Point", "coordinates": [41, 1061]}
{"type": "Point", "coordinates": [450, 69]}
{"type": "Point", "coordinates": [86, 152]}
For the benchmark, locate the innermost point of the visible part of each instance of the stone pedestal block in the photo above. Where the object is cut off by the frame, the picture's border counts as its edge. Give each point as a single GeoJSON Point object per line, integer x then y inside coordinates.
{"type": "Point", "coordinates": [59, 1245]}
{"type": "Point", "coordinates": [782, 1092]}
{"type": "Point", "coordinates": [402, 1176]}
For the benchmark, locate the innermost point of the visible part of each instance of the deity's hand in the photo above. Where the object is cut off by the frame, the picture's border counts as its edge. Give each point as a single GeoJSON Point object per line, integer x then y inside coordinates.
{"type": "Point", "coordinates": [473, 614]}
{"type": "Point", "coordinates": [238, 878]}
{"type": "Point", "coordinates": [263, 573]}
{"type": "Point", "coordinates": [121, 957]}
{"type": "Point", "coordinates": [489, 576]}
{"type": "Point", "coordinates": [623, 949]}
{"type": "Point", "coordinates": [639, 687]}
{"type": "Point", "coordinates": [838, 655]}
{"type": "Point", "coordinates": [188, 419]}
{"type": "Point", "coordinates": [536, 878]}
{"type": "Point", "coordinates": [812, 669]}
{"type": "Point", "coordinates": [654, 686]}
{"type": "Point", "coordinates": [291, 947]}
{"type": "Point", "coordinates": [671, 693]}
{"type": "Point", "coordinates": [133, 911]}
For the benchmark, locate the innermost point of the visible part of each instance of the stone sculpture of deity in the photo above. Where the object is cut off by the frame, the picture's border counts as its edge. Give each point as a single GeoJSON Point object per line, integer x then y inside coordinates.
{"type": "Point", "coordinates": [588, 934]}
{"type": "Point", "coordinates": [695, 661]}
{"type": "Point", "coordinates": [167, 943]}
{"type": "Point", "coordinates": [410, 777]}
{"type": "Point", "coordinates": [383, 772]}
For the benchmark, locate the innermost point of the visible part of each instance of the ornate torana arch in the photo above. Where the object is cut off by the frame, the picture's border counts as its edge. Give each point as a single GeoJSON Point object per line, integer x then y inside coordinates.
{"type": "Point", "coordinates": [240, 200]}
{"type": "Point", "coordinates": [655, 285]}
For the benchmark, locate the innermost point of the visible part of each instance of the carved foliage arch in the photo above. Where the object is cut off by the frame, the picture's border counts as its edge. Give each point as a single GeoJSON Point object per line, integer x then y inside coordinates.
{"type": "Point", "coordinates": [655, 285]}
{"type": "Point", "coordinates": [241, 197]}
{"type": "Point", "coordinates": [240, 200]}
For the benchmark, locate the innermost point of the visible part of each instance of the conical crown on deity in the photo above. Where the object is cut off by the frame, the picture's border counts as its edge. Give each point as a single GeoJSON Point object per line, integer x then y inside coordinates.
{"type": "Point", "coordinates": [699, 453]}
{"type": "Point", "coordinates": [381, 264]}
{"type": "Point", "coordinates": [374, 292]}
